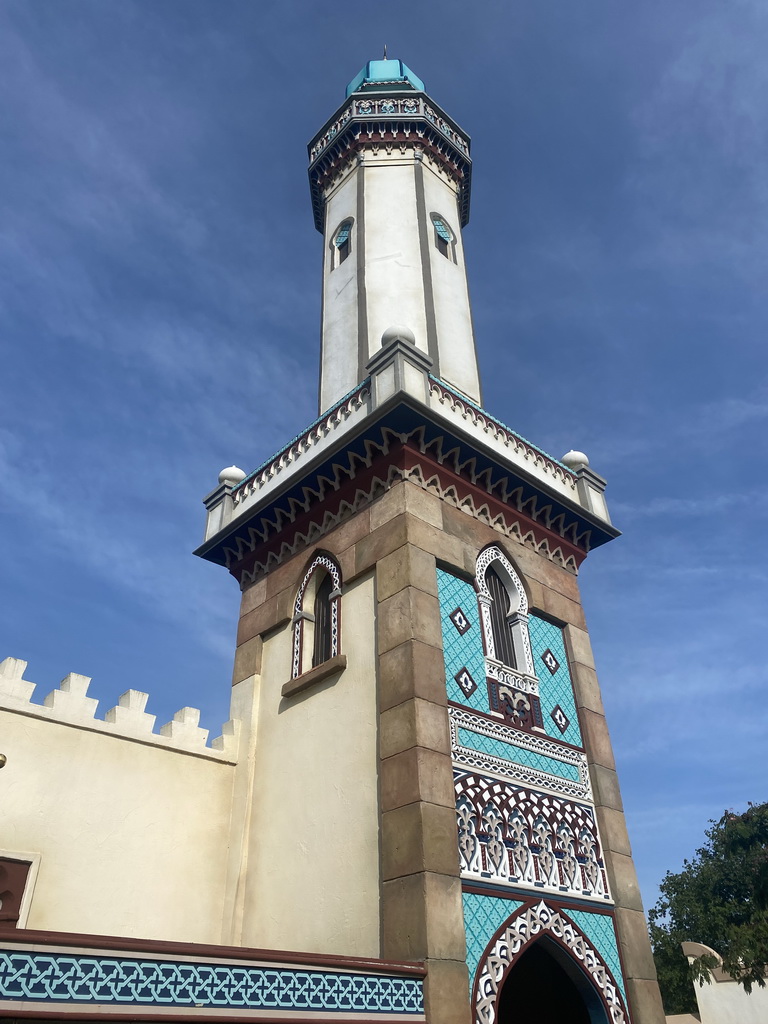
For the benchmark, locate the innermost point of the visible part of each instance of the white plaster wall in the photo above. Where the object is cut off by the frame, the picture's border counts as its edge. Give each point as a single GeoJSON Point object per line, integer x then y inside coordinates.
{"type": "Point", "coordinates": [726, 1002]}
{"type": "Point", "coordinates": [132, 837]}
{"type": "Point", "coordinates": [453, 320]}
{"type": "Point", "coordinates": [393, 273]}
{"type": "Point", "coordinates": [313, 881]}
{"type": "Point", "coordinates": [339, 362]}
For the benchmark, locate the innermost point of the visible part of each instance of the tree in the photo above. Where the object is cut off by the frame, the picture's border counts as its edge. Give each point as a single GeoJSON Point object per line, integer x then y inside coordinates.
{"type": "Point", "coordinates": [720, 898]}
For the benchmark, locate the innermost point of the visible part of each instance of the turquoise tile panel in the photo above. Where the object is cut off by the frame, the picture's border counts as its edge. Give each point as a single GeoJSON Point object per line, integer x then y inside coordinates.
{"type": "Point", "coordinates": [462, 651]}
{"type": "Point", "coordinates": [553, 689]}
{"type": "Point", "coordinates": [483, 916]}
{"type": "Point", "coordinates": [517, 755]}
{"type": "Point", "coordinates": [599, 929]}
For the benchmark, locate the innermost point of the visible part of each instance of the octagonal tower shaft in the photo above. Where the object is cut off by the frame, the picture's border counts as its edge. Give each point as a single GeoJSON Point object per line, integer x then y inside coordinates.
{"type": "Point", "coordinates": [390, 181]}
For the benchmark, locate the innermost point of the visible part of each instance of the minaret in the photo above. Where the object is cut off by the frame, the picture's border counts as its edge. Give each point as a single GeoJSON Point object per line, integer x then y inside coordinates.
{"type": "Point", "coordinates": [425, 774]}
{"type": "Point", "coordinates": [390, 180]}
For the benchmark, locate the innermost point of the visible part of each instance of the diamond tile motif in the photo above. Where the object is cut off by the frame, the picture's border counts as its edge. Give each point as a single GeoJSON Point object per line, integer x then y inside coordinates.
{"type": "Point", "coordinates": [483, 916]}
{"type": "Point", "coordinates": [466, 682]}
{"type": "Point", "coordinates": [560, 718]}
{"type": "Point", "coordinates": [462, 651]}
{"type": "Point", "coordinates": [550, 661]}
{"type": "Point", "coordinates": [599, 929]}
{"type": "Point", "coordinates": [460, 621]}
{"type": "Point", "coordinates": [517, 755]}
{"type": "Point", "coordinates": [555, 687]}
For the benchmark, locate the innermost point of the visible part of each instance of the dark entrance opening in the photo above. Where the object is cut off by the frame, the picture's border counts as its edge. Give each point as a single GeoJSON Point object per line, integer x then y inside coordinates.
{"type": "Point", "coordinates": [546, 987]}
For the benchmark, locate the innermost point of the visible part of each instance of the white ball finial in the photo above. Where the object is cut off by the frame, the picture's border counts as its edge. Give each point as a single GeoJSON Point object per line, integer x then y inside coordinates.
{"type": "Point", "coordinates": [574, 460]}
{"type": "Point", "coordinates": [232, 475]}
{"type": "Point", "coordinates": [398, 333]}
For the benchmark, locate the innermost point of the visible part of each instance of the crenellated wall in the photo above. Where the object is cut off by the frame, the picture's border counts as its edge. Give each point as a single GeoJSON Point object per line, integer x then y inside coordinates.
{"type": "Point", "coordinates": [128, 828]}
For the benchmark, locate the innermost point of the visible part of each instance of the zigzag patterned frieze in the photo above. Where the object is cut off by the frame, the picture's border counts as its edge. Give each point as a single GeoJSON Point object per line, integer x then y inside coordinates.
{"type": "Point", "coordinates": [394, 456]}
{"type": "Point", "coordinates": [35, 977]}
{"type": "Point", "coordinates": [515, 836]}
{"type": "Point", "coordinates": [522, 758]}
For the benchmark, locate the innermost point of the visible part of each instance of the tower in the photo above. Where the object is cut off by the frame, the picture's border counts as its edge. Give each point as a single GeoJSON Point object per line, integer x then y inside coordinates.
{"type": "Point", "coordinates": [425, 769]}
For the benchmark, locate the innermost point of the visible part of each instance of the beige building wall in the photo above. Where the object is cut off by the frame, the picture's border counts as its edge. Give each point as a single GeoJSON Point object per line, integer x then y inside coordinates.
{"type": "Point", "coordinates": [130, 837]}
{"type": "Point", "coordinates": [313, 847]}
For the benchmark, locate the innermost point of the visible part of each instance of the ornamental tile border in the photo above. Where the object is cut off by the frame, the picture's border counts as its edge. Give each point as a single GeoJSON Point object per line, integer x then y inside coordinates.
{"type": "Point", "coordinates": [488, 763]}
{"type": "Point", "coordinates": [80, 981]}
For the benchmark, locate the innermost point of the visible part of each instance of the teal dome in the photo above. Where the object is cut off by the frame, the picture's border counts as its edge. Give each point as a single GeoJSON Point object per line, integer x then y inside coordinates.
{"type": "Point", "coordinates": [385, 74]}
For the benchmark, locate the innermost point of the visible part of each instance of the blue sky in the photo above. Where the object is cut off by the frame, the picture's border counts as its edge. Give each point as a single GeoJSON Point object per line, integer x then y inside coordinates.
{"type": "Point", "coordinates": [160, 307]}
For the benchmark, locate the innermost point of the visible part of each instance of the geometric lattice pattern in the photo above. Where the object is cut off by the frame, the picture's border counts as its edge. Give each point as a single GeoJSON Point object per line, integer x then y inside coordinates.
{"type": "Point", "coordinates": [514, 836]}
{"type": "Point", "coordinates": [555, 688]}
{"type": "Point", "coordinates": [600, 931]}
{"type": "Point", "coordinates": [483, 916]}
{"type": "Point", "coordinates": [463, 651]}
{"type": "Point", "coordinates": [34, 976]}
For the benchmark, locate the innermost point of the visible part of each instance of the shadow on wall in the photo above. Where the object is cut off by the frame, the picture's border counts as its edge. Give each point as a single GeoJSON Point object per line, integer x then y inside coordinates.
{"type": "Point", "coordinates": [723, 1000]}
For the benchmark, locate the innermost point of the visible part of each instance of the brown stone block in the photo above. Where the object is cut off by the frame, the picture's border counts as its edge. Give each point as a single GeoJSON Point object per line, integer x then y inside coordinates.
{"type": "Point", "coordinates": [414, 723]}
{"type": "Point", "coordinates": [247, 659]}
{"type": "Point", "coordinates": [623, 879]}
{"type": "Point", "coordinates": [645, 1002]}
{"type": "Point", "coordinates": [578, 647]}
{"type": "Point", "coordinates": [419, 837]}
{"type": "Point", "coordinates": [416, 774]}
{"type": "Point", "coordinates": [586, 688]}
{"type": "Point", "coordinates": [389, 505]}
{"type": "Point", "coordinates": [632, 931]}
{"type": "Point", "coordinates": [257, 621]}
{"type": "Point", "coordinates": [446, 992]}
{"type": "Point", "coordinates": [468, 530]}
{"type": "Point", "coordinates": [436, 541]}
{"type": "Point", "coordinates": [605, 786]}
{"type": "Point", "coordinates": [403, 918]}
{"type": "Point", "coordinates": [408, 566]}
{"type": "Point", "coordinates": [380, 542]}
{"type": "Point", "coordinates": [411, 670]}
{"type": "Point", "coordinates": [253, 596]}
{"type": "Point", "coordinates": [423, 505]}
{"type": "Point", "coordinates": [290, 573]}
{"type": "Point", "coordinates": [445, 917]}
{"type": "Point", "coordinates": [562, 608]}
{"type": "Point", "coordinates": [349, 532]}
{"type": "Point", "coordinates": [613, 831]}
{"type": "Point", "coordinates": [408, 615]}
{"type": "Point", "coordinates": [597, 741]}
{"type": "Point", "coordinates": [421, 916]}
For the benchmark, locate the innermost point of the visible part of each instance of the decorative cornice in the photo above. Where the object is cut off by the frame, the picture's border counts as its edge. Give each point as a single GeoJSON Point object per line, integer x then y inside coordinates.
{"type": "Point", "coordinates": [400, 120]}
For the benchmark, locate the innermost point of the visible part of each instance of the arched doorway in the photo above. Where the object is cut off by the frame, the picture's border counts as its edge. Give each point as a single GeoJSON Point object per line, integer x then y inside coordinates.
{"type": "Point", "coordinates": [545, 986]}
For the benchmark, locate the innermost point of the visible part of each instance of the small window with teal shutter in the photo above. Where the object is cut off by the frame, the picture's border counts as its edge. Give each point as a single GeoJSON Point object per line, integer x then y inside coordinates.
{"type": "Point", "coordinates": [342, 242]}
{"type": "Point", "coordinates": [443, 236]}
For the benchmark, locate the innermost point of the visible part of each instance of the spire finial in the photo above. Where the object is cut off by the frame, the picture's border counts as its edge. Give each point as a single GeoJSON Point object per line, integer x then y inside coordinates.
{"type": "Point", "coordinates": [385, 51]}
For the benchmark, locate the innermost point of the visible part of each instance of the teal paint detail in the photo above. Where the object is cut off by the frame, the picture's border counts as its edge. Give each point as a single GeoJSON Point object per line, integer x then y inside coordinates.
{"type": "Point", "coordinates": [385, 73]}
{"type": "Point", "coordinates": [554, 689]}
{"type": "Point", "coordinates": [462, 651]}
{"type": "Point", "coordinates": [517, 755]}
{"type": "Point", "coordinates": [342, 234]}
{"type": "Point", "coordinates": [599, 929]}
{"type": "Point", "coordinates": [442, 229]}
{"type": "Point", "coordinates": [483, 916]}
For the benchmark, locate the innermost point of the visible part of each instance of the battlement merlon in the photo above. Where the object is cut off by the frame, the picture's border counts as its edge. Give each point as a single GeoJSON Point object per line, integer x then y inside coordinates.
{"type": "Point", "coordinates": [69, 704]}
{"type": "Point", "coordinates": [402, 400]}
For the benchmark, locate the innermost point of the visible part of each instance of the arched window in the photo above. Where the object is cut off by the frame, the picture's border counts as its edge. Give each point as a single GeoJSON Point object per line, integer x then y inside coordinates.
{"type": "Point", "coordinates": [342, 243]}
{"type": "Point", "coordinates": [444, 237]}
{"type": "Point", "coordinates": [503, 612]}
{"type": "Point", "coordinates": [317, 616]}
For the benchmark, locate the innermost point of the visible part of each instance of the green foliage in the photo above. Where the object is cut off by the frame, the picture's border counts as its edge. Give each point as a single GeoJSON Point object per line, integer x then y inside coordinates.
{"type": "Point", "coordinates": [720, 898]}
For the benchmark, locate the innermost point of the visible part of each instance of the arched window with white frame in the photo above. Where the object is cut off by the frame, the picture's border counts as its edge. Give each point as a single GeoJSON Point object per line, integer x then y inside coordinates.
{"type": "Point", "coordinates": [503, 612]}
{"type": "Point", "coordinates": [317, 616]}
{"type": "Point", "coordinates": [341, 243]}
